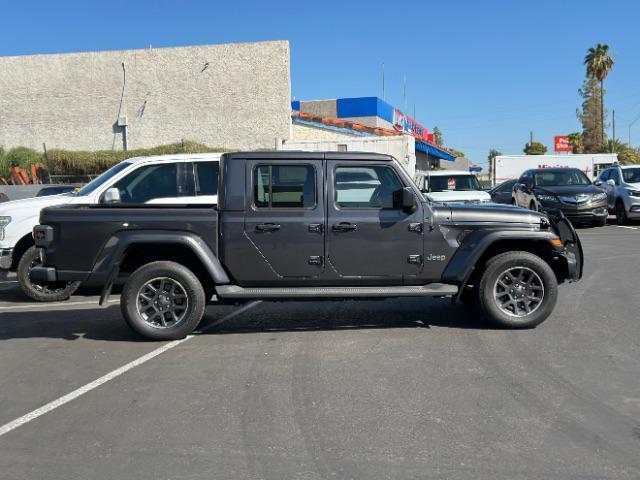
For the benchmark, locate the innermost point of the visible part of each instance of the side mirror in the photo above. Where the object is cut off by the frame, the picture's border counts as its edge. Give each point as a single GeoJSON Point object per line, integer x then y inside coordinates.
{"type": "Point", "coordinates": [404, 200]}
{"type": "Point", "coordinates": [112, 195]}
{"type": "Point", "coordinates": [611, 182]}
{"type": "Point", "coordinates": [598, 183]}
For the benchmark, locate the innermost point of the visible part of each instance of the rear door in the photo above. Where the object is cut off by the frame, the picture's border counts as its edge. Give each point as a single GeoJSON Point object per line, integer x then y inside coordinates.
{"type": "Point", "coordinates": [367, 237]}
{"type": "Point", "coordinates": [285, 217]}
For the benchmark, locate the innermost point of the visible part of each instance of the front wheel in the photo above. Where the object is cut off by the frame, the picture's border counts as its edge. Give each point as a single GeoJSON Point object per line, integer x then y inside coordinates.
{"type": "Point", "coordinates": [54, 292]}
{"type": "Point", "coordinates": [517, 290]}
{"type": "Point", "coordinates": [163, 301]}
{"type": "Point", "coordinates": [621, 213]}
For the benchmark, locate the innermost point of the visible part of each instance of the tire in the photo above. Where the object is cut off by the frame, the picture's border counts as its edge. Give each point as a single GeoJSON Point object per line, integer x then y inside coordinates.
{"type": "Point", "coordinates": [621, 213]}
{"type": "Point", "coordinates": [489, 290]}
{"type": "Point", "coordinates": [55, 292]}
{"type": "Point", "coordinates": [163, 315]}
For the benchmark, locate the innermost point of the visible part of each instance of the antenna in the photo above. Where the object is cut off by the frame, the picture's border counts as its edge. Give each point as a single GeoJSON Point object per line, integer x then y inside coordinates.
{"type": "Point", "coordinates": [383, 96]}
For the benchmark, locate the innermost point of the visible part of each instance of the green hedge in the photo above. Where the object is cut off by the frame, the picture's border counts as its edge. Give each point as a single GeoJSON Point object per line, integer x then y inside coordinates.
{"type": "Point", "coordinates": [18, 157]}
{"type": "Point", "coordinates": [66, 162]}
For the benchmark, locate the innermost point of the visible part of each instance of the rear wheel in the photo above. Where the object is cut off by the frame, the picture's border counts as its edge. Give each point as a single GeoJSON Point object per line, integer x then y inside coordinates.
{"type": "Point", "coordinates": [517, 290]}
{"type": "Point", "coordinates": [163, 301]}
{"type": "Point", "coordinates": [621, 213]}
{"type": "Point", "coordinates": [53, 292]}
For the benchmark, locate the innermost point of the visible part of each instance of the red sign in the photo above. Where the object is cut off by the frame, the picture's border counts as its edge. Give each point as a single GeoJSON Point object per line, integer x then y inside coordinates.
{"type": "Point", "coordinates": [405, 123]}
{"type": "Point", "coordinates": [561, 144]}
{"type": "Point", "coordinates": [451, 183]}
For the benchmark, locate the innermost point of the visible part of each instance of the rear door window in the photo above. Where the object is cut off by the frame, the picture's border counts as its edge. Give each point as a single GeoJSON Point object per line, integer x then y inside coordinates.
{"type": "Point", "coordinates": [206, 177]}
{"type": "Point", "coordinates": [284, 186]}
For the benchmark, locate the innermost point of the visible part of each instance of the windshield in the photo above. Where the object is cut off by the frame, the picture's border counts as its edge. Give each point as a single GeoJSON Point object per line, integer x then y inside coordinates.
{"type": "Point", "coordinates": [452, 182]}
{"type": "Point", "coordinates": [631, 175]}
{"type": "Point", "coordinates": [96, 182]}
{"type": "Point", "coordinates": [561, 178]}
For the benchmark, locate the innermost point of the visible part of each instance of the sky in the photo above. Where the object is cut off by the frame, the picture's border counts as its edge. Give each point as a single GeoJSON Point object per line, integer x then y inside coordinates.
{"type": "Point", "coordinates": [486, 73]}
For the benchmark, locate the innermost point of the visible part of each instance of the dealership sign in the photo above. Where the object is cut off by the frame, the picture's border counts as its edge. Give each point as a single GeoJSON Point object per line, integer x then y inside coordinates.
{"type": "Point", "coordinates": [405, 123]}
{"type": "Point", "coordinates": [561, 144]}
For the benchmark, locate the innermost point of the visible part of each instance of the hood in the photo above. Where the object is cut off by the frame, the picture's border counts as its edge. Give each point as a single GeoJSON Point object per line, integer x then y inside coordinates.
{"type": "Point", "coordinates": [32, 206]}
{"type": "Point", "coordinates": [459, 196]}
{"type": "Point", "coordinates": [569, 190]}
{"type": "Point", "coordinates": [492, 213]}
{"type": "Point", "coordinates": [634, 185]}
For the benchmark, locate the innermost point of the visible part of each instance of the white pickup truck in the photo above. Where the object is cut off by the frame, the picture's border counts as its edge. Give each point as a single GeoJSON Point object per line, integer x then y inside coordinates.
{"type": "Point", "coordinates": [451, 186]}
{"type": "Point", "coordinates": [166, 179]}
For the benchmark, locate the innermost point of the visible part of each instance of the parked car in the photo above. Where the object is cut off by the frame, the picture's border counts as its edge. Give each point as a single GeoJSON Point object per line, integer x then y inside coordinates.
{"type": "Point", "coordinates": [622, 186]}
{"type": "Point", "coordinates": [293, 225]}
{"type": "Point", "coordinates": [566, 189]}
{"type": "Point", "coordinates": [451, 186]}
{"type": "Point", "coordinates": [56, 190]}
{"type": "Point", "coordinates": [170, 179]}
{"type": "Point", "coordinates": [502, 193]}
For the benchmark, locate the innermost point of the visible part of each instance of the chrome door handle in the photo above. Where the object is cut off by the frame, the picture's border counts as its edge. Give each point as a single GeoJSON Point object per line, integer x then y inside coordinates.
{"type": "Point", "coordinates": [344, 227]}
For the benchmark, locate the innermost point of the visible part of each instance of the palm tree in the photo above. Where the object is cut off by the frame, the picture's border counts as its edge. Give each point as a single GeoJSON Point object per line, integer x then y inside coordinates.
{"type": "Point", "coordinates": [599, 63]}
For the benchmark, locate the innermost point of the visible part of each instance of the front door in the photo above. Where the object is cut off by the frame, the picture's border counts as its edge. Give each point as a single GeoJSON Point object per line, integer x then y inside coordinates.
{"type": "Point", "coordinates": [285, 219]}
{"type": "Point", "coordinates": [367, 237]}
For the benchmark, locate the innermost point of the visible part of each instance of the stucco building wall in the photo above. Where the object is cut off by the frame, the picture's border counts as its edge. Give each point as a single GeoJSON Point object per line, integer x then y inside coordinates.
{"type": "Point", "coordinates": [232, 95]}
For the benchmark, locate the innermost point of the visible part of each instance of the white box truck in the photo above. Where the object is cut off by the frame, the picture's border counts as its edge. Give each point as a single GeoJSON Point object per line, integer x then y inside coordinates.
{"type": "Point", "coordinates": [506, 167]}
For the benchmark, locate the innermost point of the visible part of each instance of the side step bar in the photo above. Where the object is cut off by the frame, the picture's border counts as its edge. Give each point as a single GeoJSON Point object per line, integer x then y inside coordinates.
{"type": "Point", "coordinates": [430, 290]}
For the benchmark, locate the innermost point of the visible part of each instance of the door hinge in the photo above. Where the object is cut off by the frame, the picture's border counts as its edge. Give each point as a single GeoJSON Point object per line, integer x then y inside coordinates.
{"type": "Point", "coordinates": [415, 259]}
{"type": "Point", "coordinates": [315, 260]}
{"type": "Point", "coordinates": [415, 227]}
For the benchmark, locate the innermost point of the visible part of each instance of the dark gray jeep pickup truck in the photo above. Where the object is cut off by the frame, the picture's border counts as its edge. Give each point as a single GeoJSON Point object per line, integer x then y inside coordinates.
{"type": "Point", "coordinates": [303, 225]}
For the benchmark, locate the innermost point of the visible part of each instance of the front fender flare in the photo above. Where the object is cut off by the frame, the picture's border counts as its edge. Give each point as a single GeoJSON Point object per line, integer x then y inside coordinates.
{"type": "Point", "coordinates": [461, 265]}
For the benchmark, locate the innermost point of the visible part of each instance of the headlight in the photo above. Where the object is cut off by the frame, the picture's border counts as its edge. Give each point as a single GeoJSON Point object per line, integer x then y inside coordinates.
{"type": "Point", "coordinates": [599, 196]}
{"type": "Point", "coordinates": [547, 198]}
{"type": "Point", "coordinates": [633, 193]}
{"type": "Point", "coordinates": [4, 221]}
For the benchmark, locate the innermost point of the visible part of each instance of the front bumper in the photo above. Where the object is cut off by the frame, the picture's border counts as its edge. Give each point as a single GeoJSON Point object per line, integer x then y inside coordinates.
{"type": "Point", "coordinates": [6, 258]}
{"type": "Point", "coordinates": [582, 213]}
{"type": "Point", "coordinates": [632, 206]}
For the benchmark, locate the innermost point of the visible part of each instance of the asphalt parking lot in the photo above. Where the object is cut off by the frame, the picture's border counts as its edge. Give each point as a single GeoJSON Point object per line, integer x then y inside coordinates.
{"type": "Point", "coordinates": [411, 388]}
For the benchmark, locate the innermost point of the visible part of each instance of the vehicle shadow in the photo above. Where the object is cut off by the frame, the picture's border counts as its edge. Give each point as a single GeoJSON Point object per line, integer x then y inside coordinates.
{"type": "Point", "coordinates": [348, 315]}
{"type": "Point", "coordinates": [106, 324]}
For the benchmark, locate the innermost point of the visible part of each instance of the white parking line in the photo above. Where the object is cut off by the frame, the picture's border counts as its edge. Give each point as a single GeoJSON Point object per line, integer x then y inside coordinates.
{"type": "Point", "coordinates": [38, 412]}
{"type": "Point", "coordinates": [53, 304]}
{"type": "Point", "coordinates": [624, 226]}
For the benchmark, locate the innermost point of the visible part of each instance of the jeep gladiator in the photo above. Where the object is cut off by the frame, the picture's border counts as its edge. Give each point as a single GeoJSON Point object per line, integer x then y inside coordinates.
{"type": "Point", "coordinates": [309, 225]}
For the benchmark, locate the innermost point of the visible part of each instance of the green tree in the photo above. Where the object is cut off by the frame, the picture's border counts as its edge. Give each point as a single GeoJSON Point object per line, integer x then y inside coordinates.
{"type": "Point", "coordinates": [535, 148]}
{"type": "Point", "coordinates": [575, 140]}
{"type": "Point", "coordinates": [457, 153]}
{"type": "Point", "coordinates": [590, 115]}
{"type": "Point", "coordinates": [613, 146]}
{"type": "Point", "coordinates": [599, 63]}
{"type": "Point", "coordinates": [437, 136]}
{"type": "Point", "coordinates": [629, 156]}
{"type": "Point", "coordinates": [493, 153]}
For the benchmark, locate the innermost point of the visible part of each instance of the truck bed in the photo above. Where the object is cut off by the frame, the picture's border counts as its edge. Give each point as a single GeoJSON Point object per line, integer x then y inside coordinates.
{"type": "Point", "coordinates": [90, 230]}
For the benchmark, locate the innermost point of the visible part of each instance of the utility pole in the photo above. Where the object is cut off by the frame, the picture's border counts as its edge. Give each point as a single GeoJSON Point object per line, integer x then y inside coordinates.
{"type": "Point", "coordinates": [383, 97]}
{"type": "Point", "coordinates": [631, 125]}
{"type": "Point", "coordinates": [404, 108]}
{"type": "Point", "coordinates": [530, 138]}
{"type": "Point", "coordinates": [613, 123]}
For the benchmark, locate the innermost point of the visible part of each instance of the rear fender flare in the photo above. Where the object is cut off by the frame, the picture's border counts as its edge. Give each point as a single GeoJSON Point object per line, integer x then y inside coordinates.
{"type": "Point", "coordinates": [114, 249]}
